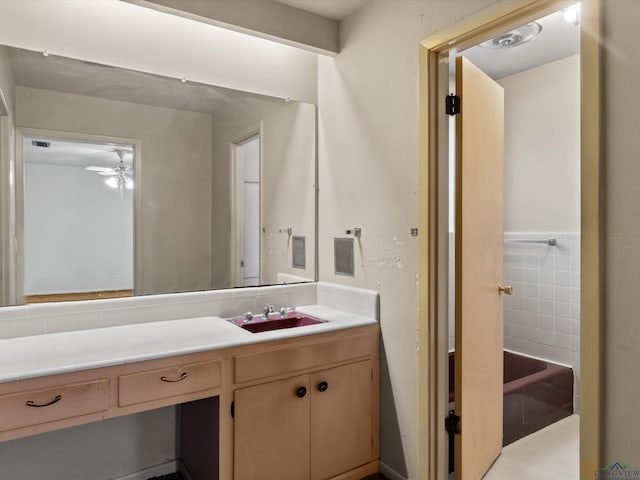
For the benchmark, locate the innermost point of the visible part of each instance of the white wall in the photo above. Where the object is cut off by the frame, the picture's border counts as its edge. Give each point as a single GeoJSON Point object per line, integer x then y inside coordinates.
{"type": "Point", "coordinates": [129, 36]}
{"type": "Point", "coordinates": [368, 148]}
{"type": "Point", "coordinates": [542, 148]}
{"type": "Point", "coordinates": [621, 124]}
{"type": "Point", "coordinates": [175, 177]}
{"type": "Point", "coordinates": [78, 232]}
{"type": "Point", "coordinates": [287, 184]}
{"type": "Point", "coordinates": [111, 449]}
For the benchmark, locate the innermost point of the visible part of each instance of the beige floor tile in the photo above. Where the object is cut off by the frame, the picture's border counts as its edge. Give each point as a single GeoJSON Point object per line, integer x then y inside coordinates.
{"type": "Point", "coordinates": [549, 453]}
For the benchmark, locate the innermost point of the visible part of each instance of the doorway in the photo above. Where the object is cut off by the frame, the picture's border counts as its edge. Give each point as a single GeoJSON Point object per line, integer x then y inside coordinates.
{"type": "Point", "coordinates": [246, 173]}
{"type": "Point", "coordinates": [434, 88]}
{"type": "Point", "coordinates": [77, 224]}
{"type": "Point", "coordinates": [537, 222]}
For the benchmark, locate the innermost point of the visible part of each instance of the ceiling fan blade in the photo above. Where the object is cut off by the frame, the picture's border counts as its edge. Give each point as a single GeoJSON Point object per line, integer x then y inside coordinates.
{"type": "Point", "coordinates": [107, 174]}
{"type": "Point", "coordinates": [99, 169]}
{"type": "Point", "coordinates": [128, 172]}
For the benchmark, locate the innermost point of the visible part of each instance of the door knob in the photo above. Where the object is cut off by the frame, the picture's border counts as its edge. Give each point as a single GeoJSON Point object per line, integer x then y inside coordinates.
{"type": "Point", "coordinates": [301, 392]}
{"type": "Point", "coordinates": [506, 289]}
{"type": "Point", "coordinates": [323, 386]}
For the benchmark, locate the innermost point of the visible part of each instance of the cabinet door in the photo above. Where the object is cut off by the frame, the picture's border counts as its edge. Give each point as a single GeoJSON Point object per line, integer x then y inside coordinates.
{"type": "Point", "coordinates": [341, 419]}
{"type": "Point", "coordinates": [271, 440]}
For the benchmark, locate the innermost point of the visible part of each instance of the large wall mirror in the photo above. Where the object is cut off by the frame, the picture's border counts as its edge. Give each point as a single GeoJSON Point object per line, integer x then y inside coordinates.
{"type": "Point", "coordinates": [129, 183]}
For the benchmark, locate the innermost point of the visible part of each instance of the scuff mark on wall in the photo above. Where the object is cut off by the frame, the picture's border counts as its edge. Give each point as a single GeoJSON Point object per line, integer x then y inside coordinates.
{"type": "Point", "coordinates": [388, 260]}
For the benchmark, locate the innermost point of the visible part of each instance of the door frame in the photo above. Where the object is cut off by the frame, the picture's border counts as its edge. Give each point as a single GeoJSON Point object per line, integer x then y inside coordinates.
{"type": "Point", "coordinates": [433, 218]}
{"type": "Point", "coordinates": [7, 205]}
{"type": "Point", "coordinates": [22, 132]}
{"type": "Point", "coordinates": [236, 221]}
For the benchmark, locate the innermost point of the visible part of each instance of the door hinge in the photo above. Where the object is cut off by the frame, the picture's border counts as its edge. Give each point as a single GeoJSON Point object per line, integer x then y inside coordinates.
{"type": "Point", "coordinates": [452, 104]}
{"type": "Point", "coordinates": [233, 409]}
{"type": "Point", "coordinates": [452, 424]}
{"type": "Point", "coordinates": [242, 263]}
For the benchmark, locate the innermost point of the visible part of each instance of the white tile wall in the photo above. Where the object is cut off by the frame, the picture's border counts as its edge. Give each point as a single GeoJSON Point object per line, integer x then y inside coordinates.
{"type": "Point", "coordinates": [542, 317]}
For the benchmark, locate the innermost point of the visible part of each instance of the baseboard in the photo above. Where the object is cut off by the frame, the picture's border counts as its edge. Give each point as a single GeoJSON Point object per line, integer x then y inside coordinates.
{"type": "Point", "coordinates": [390, 473]}
{"type": "Point", "coordinates": [155, 471]}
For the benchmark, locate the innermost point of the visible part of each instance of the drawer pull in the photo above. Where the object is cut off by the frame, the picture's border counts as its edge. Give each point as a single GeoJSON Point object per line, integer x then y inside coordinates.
{"type": "Point", "coordinates": [31, 403]}
{"type": "Point", "coordinates": [180, 378]}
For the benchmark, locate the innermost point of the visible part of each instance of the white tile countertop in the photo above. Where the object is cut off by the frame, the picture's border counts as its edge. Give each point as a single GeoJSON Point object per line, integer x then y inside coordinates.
{"type": "Point", "coordinates": [65, 352]}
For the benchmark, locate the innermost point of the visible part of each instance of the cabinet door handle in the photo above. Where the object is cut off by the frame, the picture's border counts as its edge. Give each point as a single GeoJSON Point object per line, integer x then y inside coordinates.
{"type": "Point", "coordinates": [173, 380]}
{"type": "Point", "coordinates": [31, 403]}
{"type": "Point", "coordinates": [301, 392]}
{"type": "Point", "coordinates": [323, 386]}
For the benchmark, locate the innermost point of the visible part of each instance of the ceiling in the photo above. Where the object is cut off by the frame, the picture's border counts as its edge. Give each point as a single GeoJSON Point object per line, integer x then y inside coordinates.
{"type": "Point", "coordinates": [61, 74]}
{"type": "Point", "coordinates": [75, 154]}
{"type": "Point", "coordinates": [558, 39]}
{"type": "Point", "coordinates": [333, 9]}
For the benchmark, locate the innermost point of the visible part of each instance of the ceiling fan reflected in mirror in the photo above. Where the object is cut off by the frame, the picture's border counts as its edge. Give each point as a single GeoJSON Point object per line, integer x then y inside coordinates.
{"type": "Point", "coordinates": [118, 177]}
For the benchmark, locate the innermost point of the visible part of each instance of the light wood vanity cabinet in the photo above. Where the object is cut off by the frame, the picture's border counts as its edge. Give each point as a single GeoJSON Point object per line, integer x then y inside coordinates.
{"type": "Point", "coordinates": [314, 426]}
{"type": "Point", "coordinates": [168, 382]}
{"type": "Point", "coordinates": [41, 406]}
{"type": "Point", "coordinates": [342, 418]}
{"type": "Point", "coordinates": [317, 426]}
{"type": "Point", "coordinates": [305, 407]}
{"type": "Point", "coordinates": [271, 431]}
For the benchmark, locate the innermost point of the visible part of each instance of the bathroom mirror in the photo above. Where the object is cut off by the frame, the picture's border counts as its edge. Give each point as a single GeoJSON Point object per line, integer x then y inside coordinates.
{"type": "Point", "coordinates": [222, 180]}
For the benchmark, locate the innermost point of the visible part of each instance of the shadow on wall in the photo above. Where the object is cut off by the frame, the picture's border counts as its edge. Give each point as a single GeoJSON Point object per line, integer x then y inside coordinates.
{"type": "Point", "coordinates": [391, 445]}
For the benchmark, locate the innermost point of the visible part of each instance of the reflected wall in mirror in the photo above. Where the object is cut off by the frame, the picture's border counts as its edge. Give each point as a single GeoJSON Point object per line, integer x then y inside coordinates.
{"type": "Point", "coordinates": [190, 206]}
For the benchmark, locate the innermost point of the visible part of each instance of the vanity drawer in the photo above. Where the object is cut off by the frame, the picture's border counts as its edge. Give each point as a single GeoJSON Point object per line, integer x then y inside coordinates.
{"type": "Point", "coordinates": [168, 382]}
{"type": "Point", "coordinates": [34, 407]}
{"type": "Point", "coordinates": [287, 360]}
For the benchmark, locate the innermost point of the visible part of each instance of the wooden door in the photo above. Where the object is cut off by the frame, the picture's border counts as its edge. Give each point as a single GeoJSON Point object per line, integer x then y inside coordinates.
{"type": "Point", "coordinates": [341, 419]}
{"type": "Point", "coordinates": [271, 431]}
{"type": "Point", "coordinates": [479, 267]}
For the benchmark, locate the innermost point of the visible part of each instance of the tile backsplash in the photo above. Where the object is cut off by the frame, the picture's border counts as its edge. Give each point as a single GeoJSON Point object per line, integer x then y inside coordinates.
{"type": "Point", "coordinates": [38, 319]}
{"type": "Point", "coordinates": [43, 318]}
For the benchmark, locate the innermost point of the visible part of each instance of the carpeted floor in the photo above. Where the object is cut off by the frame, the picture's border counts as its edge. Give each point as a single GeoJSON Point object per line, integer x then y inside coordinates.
{"type": "Point", "coordinates": [170, 476]}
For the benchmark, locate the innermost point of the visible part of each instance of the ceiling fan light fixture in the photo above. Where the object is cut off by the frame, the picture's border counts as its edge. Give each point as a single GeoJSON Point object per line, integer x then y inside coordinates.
{"type": "Point", "coordinates": [112, 182]}
{"type": "Point", "coordinates": [128, 183]}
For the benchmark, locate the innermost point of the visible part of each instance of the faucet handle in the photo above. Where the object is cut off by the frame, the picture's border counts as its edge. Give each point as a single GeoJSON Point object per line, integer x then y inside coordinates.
{"type": "Point", "coordinates": [285, 310]}
{"type": "Point", "coordinates": [248, 316]}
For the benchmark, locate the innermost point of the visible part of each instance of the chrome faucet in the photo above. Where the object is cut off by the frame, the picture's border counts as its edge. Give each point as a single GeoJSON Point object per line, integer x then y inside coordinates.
{"type": "Point", "coordinates": [267, 310]}
{"type": "Point", "coordinates": [248, 317]}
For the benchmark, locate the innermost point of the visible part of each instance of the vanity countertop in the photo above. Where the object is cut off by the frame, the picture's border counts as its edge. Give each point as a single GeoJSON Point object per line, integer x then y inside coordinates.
{"type": "Point", "coordinates": [65, 352]}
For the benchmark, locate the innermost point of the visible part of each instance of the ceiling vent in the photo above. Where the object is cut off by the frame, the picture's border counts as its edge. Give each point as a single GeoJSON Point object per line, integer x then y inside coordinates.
{"type": "Point", "coordinates": [40, 143]}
